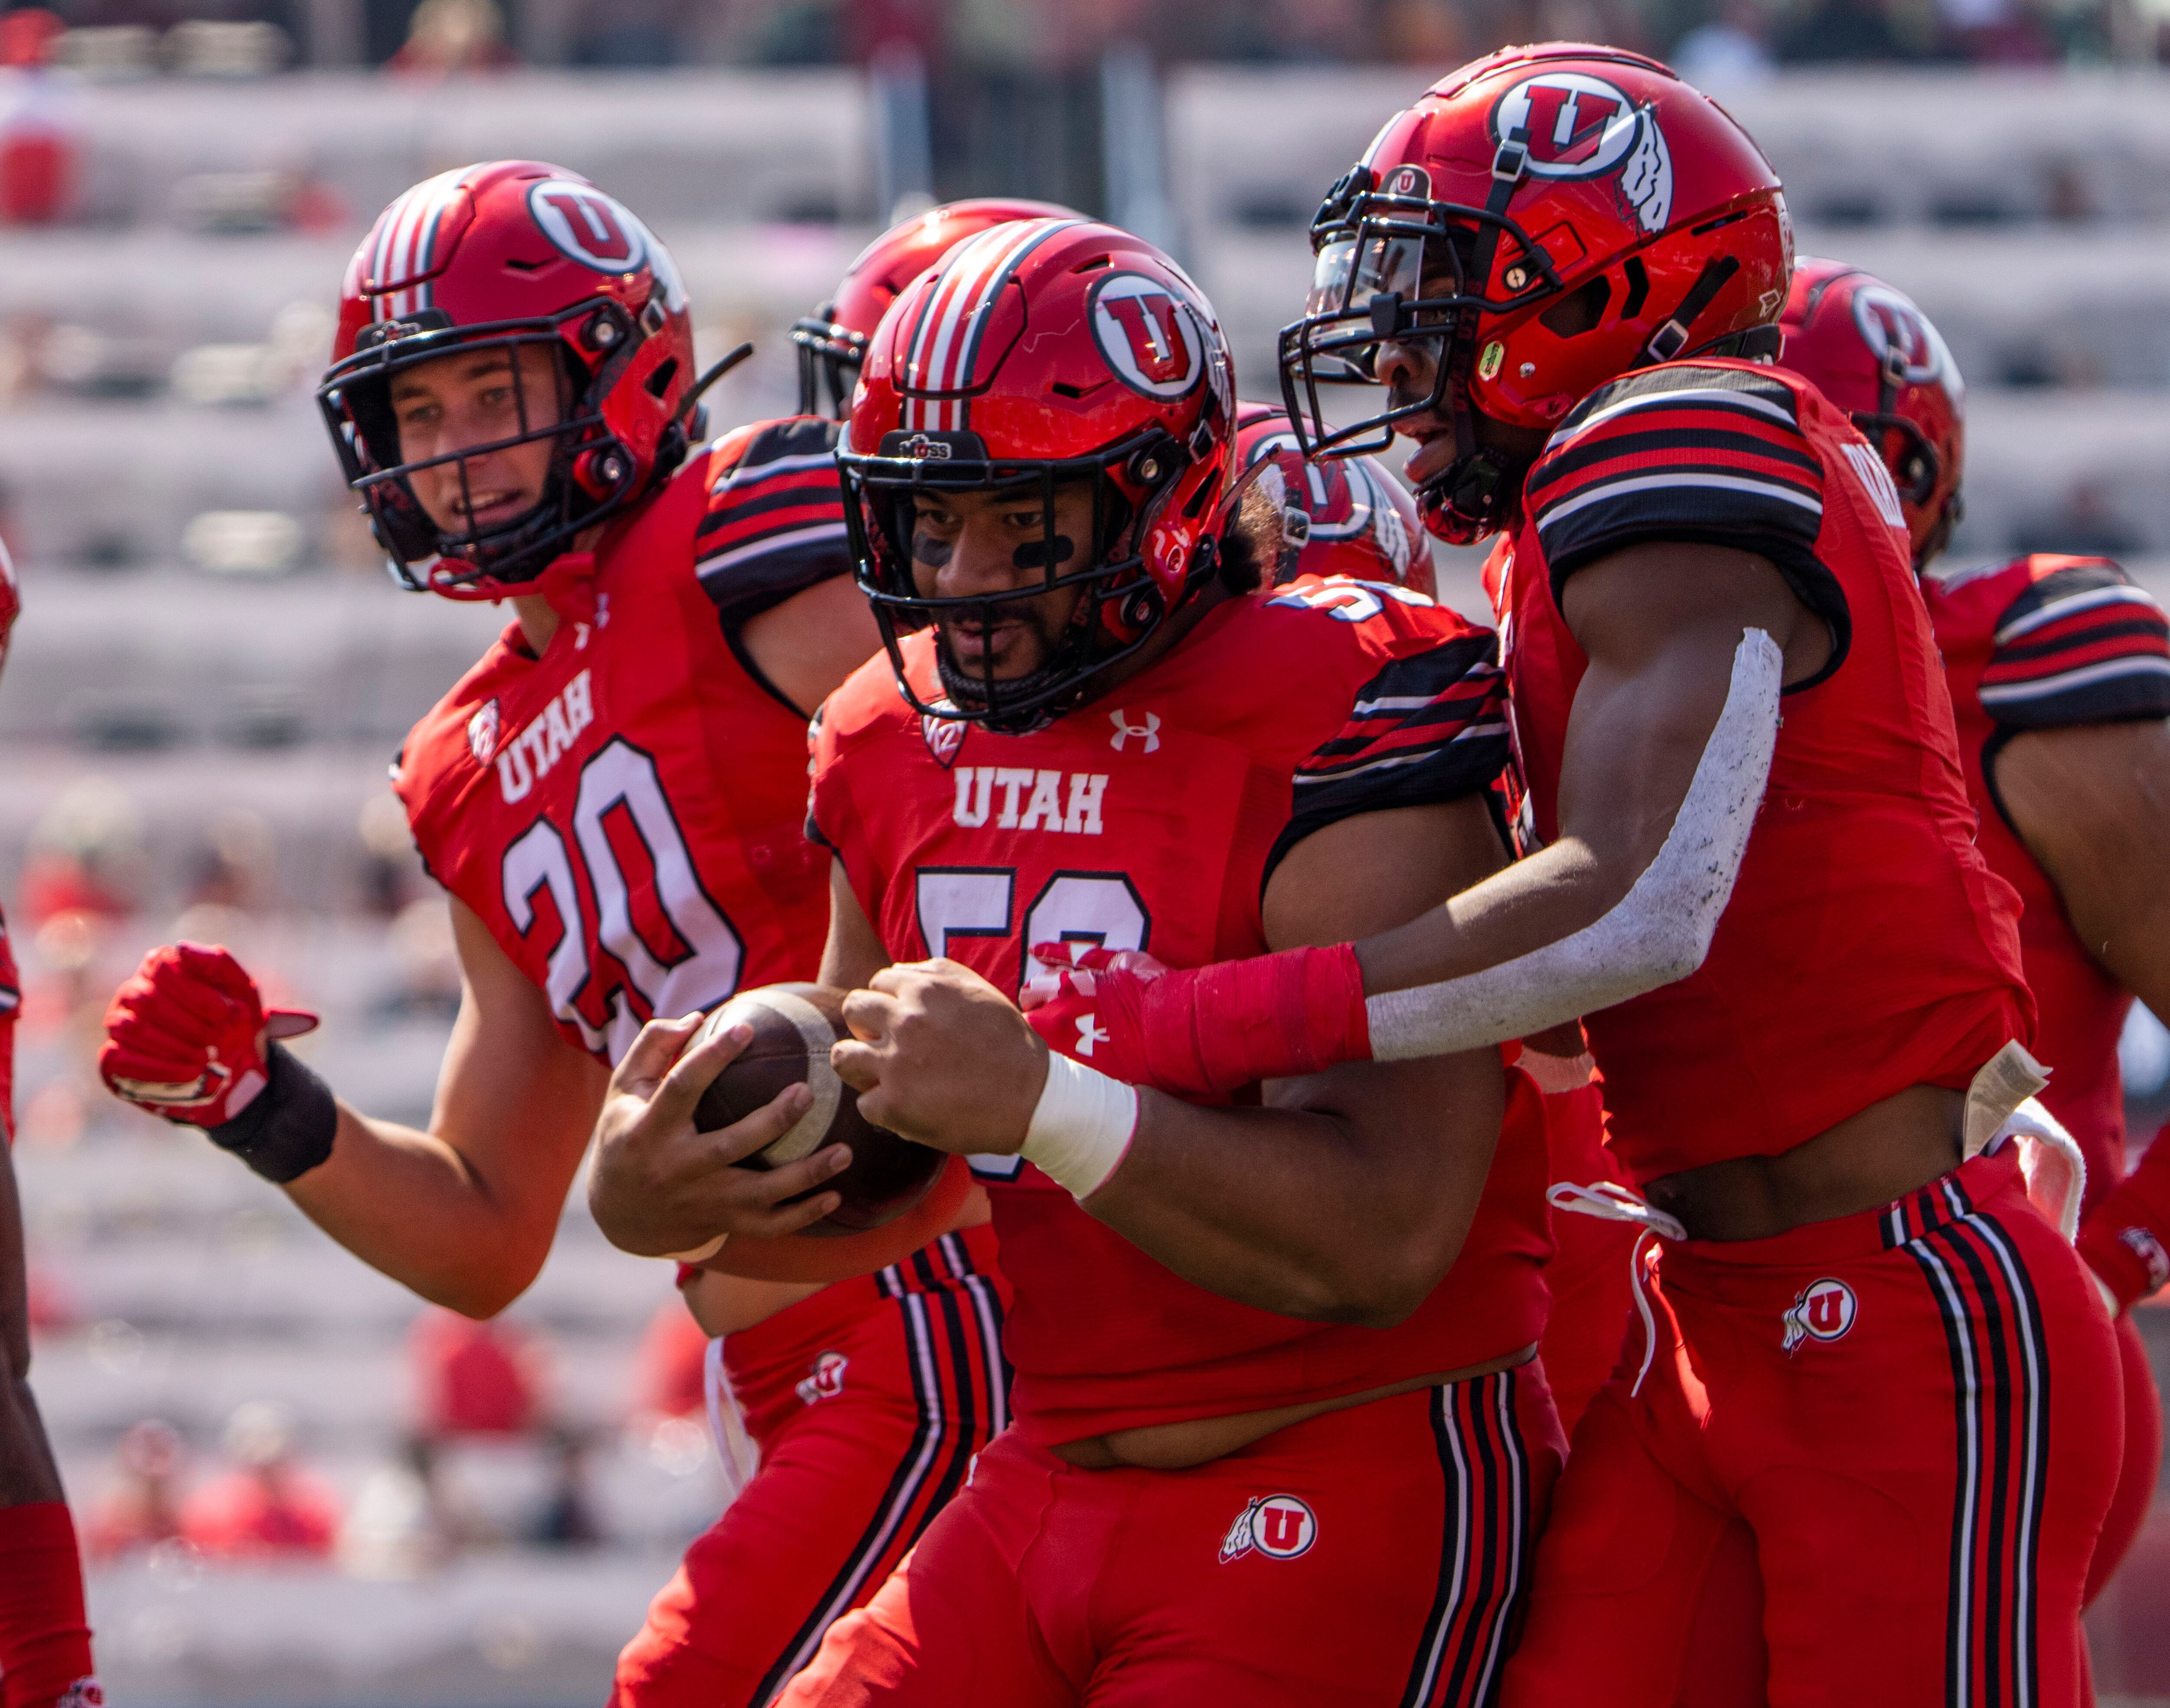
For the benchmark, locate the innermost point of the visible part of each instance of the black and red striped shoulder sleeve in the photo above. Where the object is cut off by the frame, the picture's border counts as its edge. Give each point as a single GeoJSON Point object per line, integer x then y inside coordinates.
{"type": "Point", "coordinates": [1427, 728]}
{"type": "Point", "coordinates": [774, 525]}
{"type": "Point", "coordinates": [1684, 451]}
{"type": "Point", "coordinates": [2082, 644]}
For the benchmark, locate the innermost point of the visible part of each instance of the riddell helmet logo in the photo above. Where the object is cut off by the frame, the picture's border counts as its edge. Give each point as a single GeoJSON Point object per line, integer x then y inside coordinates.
{"type": "Point", "coordinates": [1280, 1527]}
{"type": "Point", "coordinates": [1823, 1310]}
{"type": "Point", "coordinates": [587, 225]}
{"type": "Point", "coordinates": [1575, 126]}
{"type": "Point", "coordinates": [1151, 340]}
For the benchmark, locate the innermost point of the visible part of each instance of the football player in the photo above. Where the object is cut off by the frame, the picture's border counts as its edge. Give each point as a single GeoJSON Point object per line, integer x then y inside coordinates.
{"type": "Point", "coordinates": [614, 795]}
{"type": "Point", "coordinates": [1810, 1022]}
{"type": "Point", "coordinates": [45, 1644]}
{"type": "Point", "coordinates": [2059, 674]}
{"type": "Point", "coordinates": [1286, 1365]}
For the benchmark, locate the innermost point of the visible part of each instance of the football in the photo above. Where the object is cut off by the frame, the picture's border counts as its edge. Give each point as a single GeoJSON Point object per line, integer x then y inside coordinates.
{"type": "Point", "coordinates": [794, 1024]}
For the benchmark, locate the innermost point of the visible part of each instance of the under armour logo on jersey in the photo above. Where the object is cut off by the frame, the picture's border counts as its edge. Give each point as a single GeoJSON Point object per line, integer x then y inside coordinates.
{"type": "Point", "coordinates": [1823, 1310]}
{"type": "Point", "coordinates": [1089, 1033]}
{"type": "Point", "coordinates": [1148, 733]}
{"type": "Point", "coordinates": [1280, 1527]}
{"type": "Point", "coordinates": [827, 1380]}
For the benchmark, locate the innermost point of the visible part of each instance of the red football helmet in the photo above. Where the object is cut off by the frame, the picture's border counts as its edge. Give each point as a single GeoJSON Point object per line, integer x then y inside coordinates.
{"type": "Point", "coordinates": [1125, 383]}
{"type": "Point", "coordinates": [1343, 517]}
{"type": "Point", "coordinates": [1871, 351]}
{"type": "Point", "coordinates": [832, 341]}
{"type": "Point", "coordinates": [1546, 219]}
{"type": "Point", "coordinates": [508, 254]}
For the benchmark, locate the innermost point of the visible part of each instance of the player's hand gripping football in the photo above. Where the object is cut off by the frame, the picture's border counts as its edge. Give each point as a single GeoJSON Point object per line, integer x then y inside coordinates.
{"type": "Point", "coordinates": [1203, 1032]}
{"type": "Point", "coordinates": [186, 1036]}
{"type": "Point", "coordinates": [942, 1057]}
{"type": "Point", "coordinates": [658, 1188]}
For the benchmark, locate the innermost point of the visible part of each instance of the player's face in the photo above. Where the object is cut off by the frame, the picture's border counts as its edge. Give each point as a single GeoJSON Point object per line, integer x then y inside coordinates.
{"type": "Point", "coordinates": [477, 398]}
{"type": "Point", "coordinates": [967, 544]}
{"type": "Point", "coordinates": [1408, 371]}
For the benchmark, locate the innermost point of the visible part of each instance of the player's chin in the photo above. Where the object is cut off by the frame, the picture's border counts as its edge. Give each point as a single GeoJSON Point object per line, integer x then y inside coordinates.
{"type": "Point", "coordinates": [1007, 651]}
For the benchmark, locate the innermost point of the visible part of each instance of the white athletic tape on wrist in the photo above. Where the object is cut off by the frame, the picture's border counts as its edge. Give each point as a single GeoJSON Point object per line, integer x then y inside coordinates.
{"type": "Point", "coordinates": [1658, 933]}
{"type": "Point", "coordinates": [1082, 1126]}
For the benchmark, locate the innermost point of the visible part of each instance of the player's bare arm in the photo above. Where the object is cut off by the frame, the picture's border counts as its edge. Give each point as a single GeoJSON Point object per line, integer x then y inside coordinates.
{"type": "Point", "coordinates": [27, 1471]}
{"type": "Point", "coordinates": [2092, 804]}
{"type": "Point", "coordinates": [1344, 1199]}
{"type": "Point", "coordinates": [1660, 624]}
{"type": "Point", "coordinates": [805, 646]}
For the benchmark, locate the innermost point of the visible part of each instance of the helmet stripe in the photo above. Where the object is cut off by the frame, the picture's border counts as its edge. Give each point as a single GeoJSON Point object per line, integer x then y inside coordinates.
{"type": "Point", "coordinates": [990, 293]}
{"type": "Point", "coordinates": [956, 289]}
{"type": "Point", "coordinates": [952, 326]}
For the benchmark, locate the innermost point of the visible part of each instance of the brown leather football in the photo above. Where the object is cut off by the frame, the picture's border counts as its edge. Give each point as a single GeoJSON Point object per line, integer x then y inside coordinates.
{"type": "Point", "coordinates": [794, 1024]}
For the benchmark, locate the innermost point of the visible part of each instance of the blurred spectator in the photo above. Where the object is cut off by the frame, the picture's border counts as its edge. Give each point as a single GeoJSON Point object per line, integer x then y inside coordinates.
{"type": "Point", "coordinates": [267, 1505]}
{"type": "Point", "coordinates": [567, 1518]}
{"type": "Point", "coordinates": [388, 863]}
{"type": "Point", "coordinates": [472, 1377]}
{"type": "Point", "coordinates": [1424, 32]}
{"type": "Point", "coordinates": [234, 867]}
{"type": "Point", "coordinates": [449, 36]}
{"type": "Point", "coordinates": [2085, 521]}
{"type": "Point", "coordinates": [1840, 30]}
{"type": "Point", "coordinates": [402, 1524]}
{"type": "Point", "coordinates": [430, 982]}
{"type": "Point", "coordinates": [86, 855]}
{"type": "Point", "coordinates": [143, 1508]}
{"type": "Point", "coordinates": [1727, 52]}
{"type": "Point", "coordinates": [628, 35]}
{"type": "Point", "coordinates": [2000, 32]}
{"type": "Point", "coordinates": [38, 133]}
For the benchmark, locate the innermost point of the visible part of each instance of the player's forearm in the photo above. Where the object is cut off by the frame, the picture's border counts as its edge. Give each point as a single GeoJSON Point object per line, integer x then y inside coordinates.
{"type": "Point", "coordinates": [407, 1204]}
{"type": "Point", "coordinates": [1328, 1217]}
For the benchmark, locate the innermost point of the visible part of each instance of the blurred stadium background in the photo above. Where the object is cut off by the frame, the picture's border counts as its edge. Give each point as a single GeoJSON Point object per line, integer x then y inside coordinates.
{"type": "Point", "coordinates": [212, 670]}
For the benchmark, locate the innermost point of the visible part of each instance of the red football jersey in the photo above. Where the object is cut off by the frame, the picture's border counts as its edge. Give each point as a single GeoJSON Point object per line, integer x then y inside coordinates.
{"type": "Point", "coordinates": [2041, 642]}
{"type": "Point", "coordinates": [1866, 946]}
{"type": "Point", "coordinates": [1150, 819]}
{"type": "Point", "coordinates": [626, 812]}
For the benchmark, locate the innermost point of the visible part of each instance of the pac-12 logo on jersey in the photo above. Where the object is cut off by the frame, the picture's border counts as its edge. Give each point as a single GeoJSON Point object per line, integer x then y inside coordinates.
{"type": "Point", "coordinates": [944, 736]}
{"type": "Point", "coordinates": [1280, 1527]}
{"type": "Point", "coordinates": [1823, 1310]}
{"type": "Point", "coordinates": [482, 732]}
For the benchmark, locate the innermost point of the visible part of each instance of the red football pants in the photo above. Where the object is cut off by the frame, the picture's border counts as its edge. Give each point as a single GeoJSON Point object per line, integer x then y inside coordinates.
{"type": "Point", "coordinates": [866, 1402]}
{"type": "Point", "coordinates": [1589, 1275]}
{"type": "Point", "coordinates": [1874, 1397]}
{"type": "Point", "coordinates": [2142, 1462]}
{"type": "Point", "coordinates": [1378, 1554]}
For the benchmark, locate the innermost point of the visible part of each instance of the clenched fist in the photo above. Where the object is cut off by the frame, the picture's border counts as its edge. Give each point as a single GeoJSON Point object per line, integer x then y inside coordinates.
{"type": "Point", "coordinates": [186, 1036]}
{"type": "Point", "coordinates": [942, 1057]}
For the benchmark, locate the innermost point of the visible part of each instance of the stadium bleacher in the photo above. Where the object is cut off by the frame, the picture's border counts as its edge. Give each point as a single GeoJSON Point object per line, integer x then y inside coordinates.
{"type": "Point", "coordinates": [264, 663]}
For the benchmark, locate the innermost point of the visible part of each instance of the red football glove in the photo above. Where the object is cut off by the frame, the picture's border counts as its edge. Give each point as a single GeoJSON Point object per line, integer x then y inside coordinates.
{"type": "Point", "coordinates": [1202, 1033]}
{"type": "Point", "coordinates": [2126, 1238]}
{"type": "Point", "coordinates": [185, 1035]}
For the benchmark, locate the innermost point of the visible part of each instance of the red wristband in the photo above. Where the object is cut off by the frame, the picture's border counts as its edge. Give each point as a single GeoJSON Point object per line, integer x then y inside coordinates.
{"type": "Point", "coordinates": [1277, 1016]}
{"type": "Point", "coordinates": [45, 1645]}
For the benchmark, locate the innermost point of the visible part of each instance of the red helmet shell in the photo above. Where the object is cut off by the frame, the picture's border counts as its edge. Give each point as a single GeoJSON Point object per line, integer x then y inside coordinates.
{"type": "Point", "coordinates": [1050, 351]}
{"type": "Point", "coordinates": [522, 249]}
{"type": "Point", "coordinates": [1340, 516]}
{"type": "Point", "coordinates": [1864, 345]}
{"type": "Point", "coordinates": [837, 336]}
{"type": "Point", "coordinates": [1132, 345]}
{"type": "Point", "coordinates": [11, 600]}
{"type": "Point", "coordinates": [1624, 161]}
